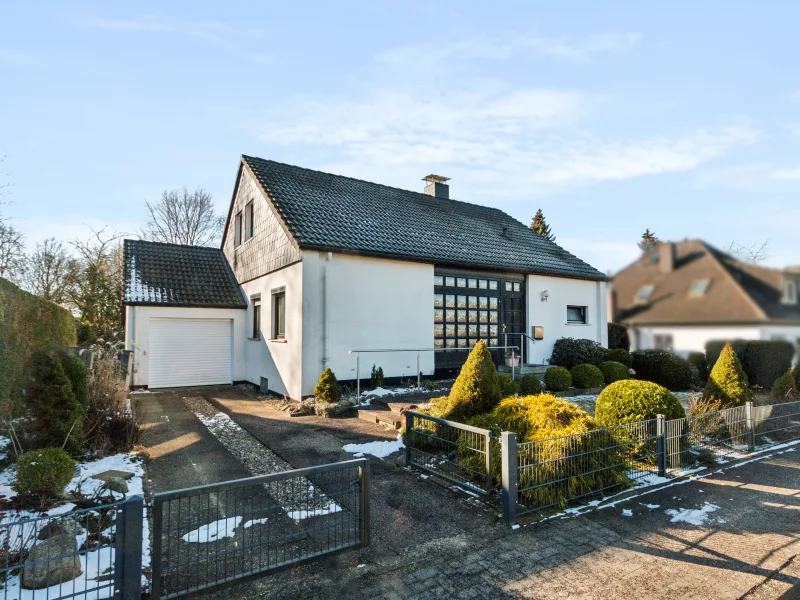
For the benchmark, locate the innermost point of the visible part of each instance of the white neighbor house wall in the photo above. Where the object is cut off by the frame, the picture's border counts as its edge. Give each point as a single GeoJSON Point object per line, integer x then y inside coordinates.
{"type": "Point", "coordinates": [137, 332]}
{"type": "Point", "coordinates": [552, 315]}
{"type": "Point", "coordinates": [353, 302]}
{"type": "Point", "coordinates": [687, 338]}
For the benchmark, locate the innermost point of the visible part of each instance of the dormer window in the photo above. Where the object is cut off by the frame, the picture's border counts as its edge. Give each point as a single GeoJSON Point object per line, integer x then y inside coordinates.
{"type": "Point", "coordinates": [645, 292]}
{"type": "Point", "coordinates": [699, 288]}
{"type": "Point", "coordinates": [789, 292]}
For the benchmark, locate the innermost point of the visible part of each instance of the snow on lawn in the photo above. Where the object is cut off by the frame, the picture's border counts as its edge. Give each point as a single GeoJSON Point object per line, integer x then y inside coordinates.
{"type": "Point", "coordinates": [693, 516]}
{"type": "Point", "coordinates": [380, 392]}
{"type": "Point", "coordinates": [379, 449]}
{"type": "Point", "coordinates": [211, 532]}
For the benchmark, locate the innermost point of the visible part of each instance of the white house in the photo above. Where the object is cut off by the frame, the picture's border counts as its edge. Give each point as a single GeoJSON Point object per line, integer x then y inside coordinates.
{"type": "Point", "coordinates": [314, 265]}
{"type": "Point", "coordinates": [681, 295]}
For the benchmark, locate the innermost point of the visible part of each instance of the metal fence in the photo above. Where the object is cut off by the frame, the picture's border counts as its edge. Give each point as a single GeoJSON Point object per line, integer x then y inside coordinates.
{"type": "Point", "coordinates": [454, 451]}
{"type": "Point", "coordinates": [706, 438]}
{"type": "Point", "coordinates": [776, 423]}
{"type": "Point", "coordinates": [213, 534]}
{"type": "Point", "coordinates": [90, 553]}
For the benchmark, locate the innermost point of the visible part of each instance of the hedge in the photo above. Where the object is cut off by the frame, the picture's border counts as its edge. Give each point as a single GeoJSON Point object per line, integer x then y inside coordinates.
{"type": "Point", "coordinates": [700, 362]}
{"type": "Point", "coordinates": [508, 387]}
{"type": "Point", "coordinates": [763, 361]}
{"type": "Point", "coordinates": [786, 387]}
{"type": "Point", "coordinates": [585, 377]}
{"type": "Point", "coordinates": [618, 337]}
{"type": "Point", "coordinates": [568, 352]}
{"type": "Point", "coordinates": [27, 323]}
{"type": "Point", "coordinates": [665, 368]}
{"type": "Point", "coordinates": [619, 355]}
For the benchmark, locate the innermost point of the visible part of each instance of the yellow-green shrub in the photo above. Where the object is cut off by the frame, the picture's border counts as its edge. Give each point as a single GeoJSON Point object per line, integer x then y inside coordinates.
{"type": "Point", "coordinates": [327, 388]}
{"type": "Point", "coordinates": [48, 469]}
{"type": "Point", "coordinates": [632, 400]}
{"type": "Point", "coordinates": [727, 381]}
{"type": "Point", "coordinates": [477, 388]}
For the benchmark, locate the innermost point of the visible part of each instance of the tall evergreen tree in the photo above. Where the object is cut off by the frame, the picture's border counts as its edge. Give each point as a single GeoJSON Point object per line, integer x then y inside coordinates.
{"type": "Point", "coordinates": [540, 226]}
{"type": "Point", "coordinates": [648, 241]}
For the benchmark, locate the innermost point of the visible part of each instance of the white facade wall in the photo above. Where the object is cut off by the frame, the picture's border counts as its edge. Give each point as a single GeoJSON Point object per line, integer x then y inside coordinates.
{"type": "Point", "coordinates": [687, 338]}
{"type": "Point", "coordinates": [278, 360]}
{"type": "Point", "coordinates": [353, 302]}
{"type": "Point", "coordinates": [137, 334]}
{"type": "Point", "coordinates": [552, 315]}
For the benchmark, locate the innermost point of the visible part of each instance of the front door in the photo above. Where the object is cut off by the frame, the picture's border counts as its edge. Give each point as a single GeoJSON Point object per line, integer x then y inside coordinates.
{"type": "Point", "coordinates": [512, 301]}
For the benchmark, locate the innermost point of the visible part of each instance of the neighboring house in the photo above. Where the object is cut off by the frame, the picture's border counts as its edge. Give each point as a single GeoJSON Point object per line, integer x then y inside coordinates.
{"type": "Point", "coordinates": [323, 264]}
{"type": "Point", "coordinates": [681, 295]}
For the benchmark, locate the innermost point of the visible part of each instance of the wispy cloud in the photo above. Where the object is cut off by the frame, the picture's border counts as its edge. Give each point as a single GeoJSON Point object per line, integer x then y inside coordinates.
{"type": "Point", "coordinates": [790, 174]}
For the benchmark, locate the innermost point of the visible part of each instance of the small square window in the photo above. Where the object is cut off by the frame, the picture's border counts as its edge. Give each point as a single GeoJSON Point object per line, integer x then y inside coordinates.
{"type": "Point", "coordinates": [483, 316]}
{"type": "Point", "coordinates": [450, 331]}
{"type": "Point", "coordinates": [438, 280]}
{"type": "Point", "coordinates": [450, 316]}
{"type": "Point", "coordinates": [462, 316]}
{"type": "Point", "coordinates": [256, 318]}
{"type": "Point", "coordinates": [644, 293]}
{"type": "Point", "coordinates": [576, 315]}
{"type": "Point", "coordinates": [438, 315]}
{"type": "Point", "coordinates": [450, 343]}
{"type": "Point", "coordinates": [450, 301]}
{"type": "Point", "coordinates": [789, 292]}
{"type": "Point", "coordinates": [462, 343]}
{"type": "Point", "coordinates": [492, 284]}
{"type": "Point", "coordinates": [492, 316]}
{"type": "Point", "coordinates": [473, 283]}
{"type": "Point", "coordinates": [461, 301]}
{"type": "Point", "coordinates": [493, 303]}
{"type": "Point", "coordinates": [438, 301]}
{"type": "Point", "coordinates": [663, 342]}
{"type": "Point", "coordinates": [517, 286]}
{"type": "Point", "coordinates": [278, 314]}
{"type": "Point", "coordinates": [473, 316]}
{"type": "Point", "coordinates": [483, 302]}
{"type": "Point", "coordinates": [699, 287]}
{"type": "Point", "coordinates": [508, 286]}
{"type": "Point", "coordinates": [450, 281]}
{"type": "Point", "coordinates": [483, 284]}
{"type": "Point", "coordinates": [461, 282]}
{"type": "Point", "coordinates": [438, 331]}
{"type": "Point", "coordinates": [438, 343]}
{"type": "Point", "coordinates": [473, 331]}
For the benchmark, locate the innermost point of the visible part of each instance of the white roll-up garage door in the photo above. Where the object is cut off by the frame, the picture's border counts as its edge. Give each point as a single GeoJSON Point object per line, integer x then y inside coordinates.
{"type": "Point", "coordinates": [186, 352]}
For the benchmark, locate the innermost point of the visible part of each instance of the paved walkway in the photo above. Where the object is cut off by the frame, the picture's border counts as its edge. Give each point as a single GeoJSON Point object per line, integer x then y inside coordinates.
{"type": "Point", "coordinates": [428, 543]}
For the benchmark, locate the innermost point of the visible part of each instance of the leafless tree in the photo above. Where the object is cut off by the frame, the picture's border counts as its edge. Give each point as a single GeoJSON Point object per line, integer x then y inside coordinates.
{"type": "Point", "coordinates": [754, 254]}
{"type": "Point", "coordinates": [183, 217]}
{"type": "Point", "coordinates": [4, 187]}
{"type": "Point", "coordinates": [12, 252]}
{"type": "Point", "coordinates": [50, 271]}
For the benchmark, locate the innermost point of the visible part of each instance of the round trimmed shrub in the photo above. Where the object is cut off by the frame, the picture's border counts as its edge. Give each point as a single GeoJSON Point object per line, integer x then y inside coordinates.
{"type": "Point", "coordinates": [327, 388]}
{"type": "Point", "coordinates": [786, 387]}
{"type": "Point", "coordinates": [529, 385]}
{"type": "Point", "coordinates": [568, 352]}
{"type": "Point", "coordinates": [585, 377]}
{"type": "Point", "coordinates": [619, 355]}
{"type": "Point", "coordinates": [477, 387]}
{"type": "Point", "coordinates": [47, 469]}
{"type": "Point", "coordinates": [631, 400]}
{"type": "Point", "coordinates": [557, 379]}
{"type": "Point", "coordinates": [508, 386]}
{"type": "Point", "coordinates": [614, 371]}
{"type": "Point", "coordinates": [727, 381]}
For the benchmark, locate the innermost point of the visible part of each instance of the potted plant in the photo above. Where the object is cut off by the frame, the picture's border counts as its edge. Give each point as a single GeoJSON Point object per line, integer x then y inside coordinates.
{"type": "Point", "coordinates": [512, 358]}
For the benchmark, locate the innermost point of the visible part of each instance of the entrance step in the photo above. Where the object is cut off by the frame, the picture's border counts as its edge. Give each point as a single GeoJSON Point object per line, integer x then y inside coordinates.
{"type": "Point", "coordinates": [384, 417]}
{"type": "Point", "coordinates": [537, 370]}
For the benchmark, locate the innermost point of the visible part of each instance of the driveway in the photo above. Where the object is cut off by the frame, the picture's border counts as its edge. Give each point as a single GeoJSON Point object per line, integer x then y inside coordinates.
{"type": "Point", "coordinates": [732, 534]}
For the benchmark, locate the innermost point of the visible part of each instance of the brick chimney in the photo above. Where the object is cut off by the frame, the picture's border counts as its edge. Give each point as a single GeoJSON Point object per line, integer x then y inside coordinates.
{"type": "Point", "coordinates": [666, 257]}
{"type": "Point", "coordinates": [437, 186]}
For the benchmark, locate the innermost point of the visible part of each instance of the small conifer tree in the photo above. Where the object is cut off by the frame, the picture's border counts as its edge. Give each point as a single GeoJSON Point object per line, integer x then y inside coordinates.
{"type": "Point", "coordinates": [540, 226]}
{"type": "Point", "coordinates": [327, 388]}
{"type": "Point", "coordinates": [727, 382]}
{"type": "Point", "coordinates": [477, 388]}
{"type": "Point", "coordinates": [648, 241]}
{"type": "Point", "coordinates": [376, 378]}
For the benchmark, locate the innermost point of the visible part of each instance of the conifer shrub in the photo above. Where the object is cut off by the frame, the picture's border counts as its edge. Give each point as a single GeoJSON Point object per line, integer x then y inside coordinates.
{"type": "Point", "coordinates": [376, 379]}
{"type": "Point", "coordinates": [557, 379]}
{"type": "Point", "coordinates": [585, 377]}
{"type": "Point", "coordinates": [618, 337]}
{"type": "Point", "coordinates": [508, 387]}
{"type": "Point", "coordinates": [55, 417]}
{"type": "Point", "coordinates": [327, 388]}
{"type": "Point", "coordinates": [619, 355]}
{"type": "Point", "coordinates": [763, 361]}
{"type": "Point", "coordinates": [786, 387]}
{"type": "Point", "coordinates": [665, 368]}
{"type": "Point", "coordinates": [48, 469]}
{"type": "Point", "coordinates": [77, 374]}
{"type": "Point", "coordinates": [568, 352]}
{"type": "Point", "coordinates": [529, 385]}
{"type": "Point", "coordinates": [727, 381]}
{"type": "Point", "coordinates": [477, 387]}
{"type": "Point", "coordinates": [614, 371]}
{"type": "Point", "coordinates": [631, 400]}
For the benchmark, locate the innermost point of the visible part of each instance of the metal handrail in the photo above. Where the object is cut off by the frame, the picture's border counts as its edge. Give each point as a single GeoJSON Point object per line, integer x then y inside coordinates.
{"type": "Point", "coordinates": [418, 350]}
{"type": "Point", "coordinates": [522, 348]}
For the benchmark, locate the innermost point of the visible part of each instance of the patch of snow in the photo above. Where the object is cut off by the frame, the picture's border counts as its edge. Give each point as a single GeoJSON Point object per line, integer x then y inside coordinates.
{"type": "Point", "coordinates": [627, 512]}
{"type": "Point", "coordinates": [142, 392]}
{"type": "Point", "coordinates": [693, 516]}
{"type": "Point", "coordinates": [305, 513]}
{"type": "Point", "coordinates": [211, 532]}
{"type": "Point", "coordinates": [249, 524]}
{"type": "Point", "coordinates": [361, 566]}
{"type": "Point", "coordinates": [378, 449]}
{"type": "Point", "coordinates": [650, 506]}
{"type": "Point", "coordinates": [515, 526]}
{"type": "Point", "coordinates": [380, 392]}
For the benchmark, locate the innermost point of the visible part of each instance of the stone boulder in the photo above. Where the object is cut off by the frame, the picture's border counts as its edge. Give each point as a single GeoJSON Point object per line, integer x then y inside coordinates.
{"type": "Point", "coordinates": [55, 561]}
{"type": "Point", "coordinates": [65, 526]}
{"type": "Point", "coordinates": [116, 484]}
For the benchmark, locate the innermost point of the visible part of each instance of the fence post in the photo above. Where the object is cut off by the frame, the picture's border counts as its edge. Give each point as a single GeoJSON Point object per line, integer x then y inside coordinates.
{"type": "Point", "coordinates": [488, 446]}
{"type": "Point", "coordinates": [661, 444]}
{"type": "Point", "coordinates": [363, 517]}
{"type": "Point", "coordinates": [128, 549]}
{"type": "Point", "coordinates": [751, 428]}
{"type": "Point", "coordinates": [510, 468]}
{"type": "Point", "coordinates": [156, 541]}
{"type": "Point", "coordinates": [407, 441]}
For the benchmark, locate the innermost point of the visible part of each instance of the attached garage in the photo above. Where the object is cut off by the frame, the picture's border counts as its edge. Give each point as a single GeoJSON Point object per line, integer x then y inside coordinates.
{"type": "Point", "coordinates": [185, 352]}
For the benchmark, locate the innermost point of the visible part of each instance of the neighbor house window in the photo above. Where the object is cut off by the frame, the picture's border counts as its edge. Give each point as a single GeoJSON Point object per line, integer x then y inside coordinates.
{"type": "Point", "coordinates": [789, 292]}
{"type": "Point", "coordinates": [256, 317]}
{"type": "Point", "coordinates": [576, 315]}
{"type": "Point", "coordinates": [237, 230]}
{"type": "Point", "coordinates": [699, 287]}
{"type": "Point", "coordinates": [279, 314]}
{"type": "Point", "coordinates": [248, 220]}
{"type": "Point", "coordinates": [644, 293]}
{"type": "Point", "coordinates": [663, 341]}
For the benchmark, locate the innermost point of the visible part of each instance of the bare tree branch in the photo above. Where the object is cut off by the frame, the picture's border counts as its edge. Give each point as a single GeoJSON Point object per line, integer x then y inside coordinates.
{"type": "Point", "coordinates": [754, 254]}
{"type": "Point", "coordinates": [50, 271]}
{"type": "Point", "coordinates": [183, 217]}
{"type": "Point", "coordinates": [12, 252]}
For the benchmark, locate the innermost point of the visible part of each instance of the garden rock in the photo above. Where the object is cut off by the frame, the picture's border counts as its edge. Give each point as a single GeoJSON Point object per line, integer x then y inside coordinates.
{"type": "Point", "coordinates": [66, 526]}
{"type": "Point", "coordinates": [113, 474]}
{"type": "Point", "coordinates": [116, 484]}
{"type": "Point", "coordinates": [52, 571]}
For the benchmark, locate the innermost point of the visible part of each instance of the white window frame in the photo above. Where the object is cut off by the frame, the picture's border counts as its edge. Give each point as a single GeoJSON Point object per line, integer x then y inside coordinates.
{"type": "Point", "coordinates": [237, 230]}
{"type": "Point", "coordinates": [664, 341]}
{"type": "Point", "coordinates": [276, 335]}
{"type": "Point", "coordinates": [643, 298]}
{"type": "Point", "coordinates": [249, 215]}
{"type": "Point", "coordinates": [789, 292]}
{"type": "Point", "coordinates": [583, 309]}
{"type": "Point", "coordinates": [256, 317]}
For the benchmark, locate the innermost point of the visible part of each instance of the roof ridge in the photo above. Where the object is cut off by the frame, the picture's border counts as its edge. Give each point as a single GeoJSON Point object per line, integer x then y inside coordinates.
{"type": "Point", "coordinates": [135, 241]}
{"type": "Point", "coordinates": [712, 252]}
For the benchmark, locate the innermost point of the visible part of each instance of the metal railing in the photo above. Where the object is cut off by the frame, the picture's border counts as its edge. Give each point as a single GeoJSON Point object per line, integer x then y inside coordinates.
{"type": "Point", "coordinates": [418, 351]}
{"type": "Point", "coordinates": [454, 451]}
{"type": "Point", "coordinates": [776, 423]}
{"type": "Point", "coordinates": [706, 438]}
{"type": "Point", "coordinates": [89, 553]}
{"type": "Point", "coordinates": [214, 534]}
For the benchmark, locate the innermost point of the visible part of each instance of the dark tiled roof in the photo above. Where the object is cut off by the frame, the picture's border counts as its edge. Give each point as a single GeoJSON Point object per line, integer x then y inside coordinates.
{"type": "Point", "coordinates": [737, 292]}
{"type": "Point", "coordinates": [175, 275]}
{"type": "Point", "coordinates": [324, 211]}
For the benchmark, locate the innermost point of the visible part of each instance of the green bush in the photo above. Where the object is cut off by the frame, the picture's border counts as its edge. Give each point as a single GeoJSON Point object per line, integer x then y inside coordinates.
{"type": "Point", "coordinates": [477, 387]}
{"type": "Point", "coordinates": [763, 361]}
{"type": "Point", "coordinates": [508, 386]}
{"type": "Point", "coordinates": [568, 352]}
{"type": "Point", "coordinates": [585, 377]}
{"type": "Point", "coordinates": [55, 415]}
{"type": "Point", "coordinates": [618, 337]}
{"type": "Point", "coordinates": [327, 388]}
{"type": "Point", "coordinates": [664, 368]}
{"type": "Point", "coordinates": [786, 387]}
{"type": "Point", "coordinates": [46, 469]}
{"type": "Point", "coordinates": [619, 355]}
{"type": "Point", "coordinates": [727, 381]}
{"type": "Point", "coordinates": [557, 379]}
{"type": "Point", "coordinates": [614, 371]}
{"type": "Point", "coordinates": [529, 385]}
{"type": "Point", "coordinates": [27, 323]}
{"type": "Point", "coordinates": [698, 359]}
{"type": "Point", "coordinates": [75, 371]}
{"type": "Point", "coordinates": [631, 400]}
{"type": "Point", "coordinates": [376, 379]}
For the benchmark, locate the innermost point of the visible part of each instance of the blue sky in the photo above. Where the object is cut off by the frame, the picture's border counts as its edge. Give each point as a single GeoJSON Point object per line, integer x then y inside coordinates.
{"type": "Point", "coordinates": [613, 117]}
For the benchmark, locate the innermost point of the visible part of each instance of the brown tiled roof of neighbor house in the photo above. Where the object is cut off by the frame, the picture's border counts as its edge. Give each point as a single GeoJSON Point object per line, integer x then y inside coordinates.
{"type": "Point", "coordinates": [737, 292]}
